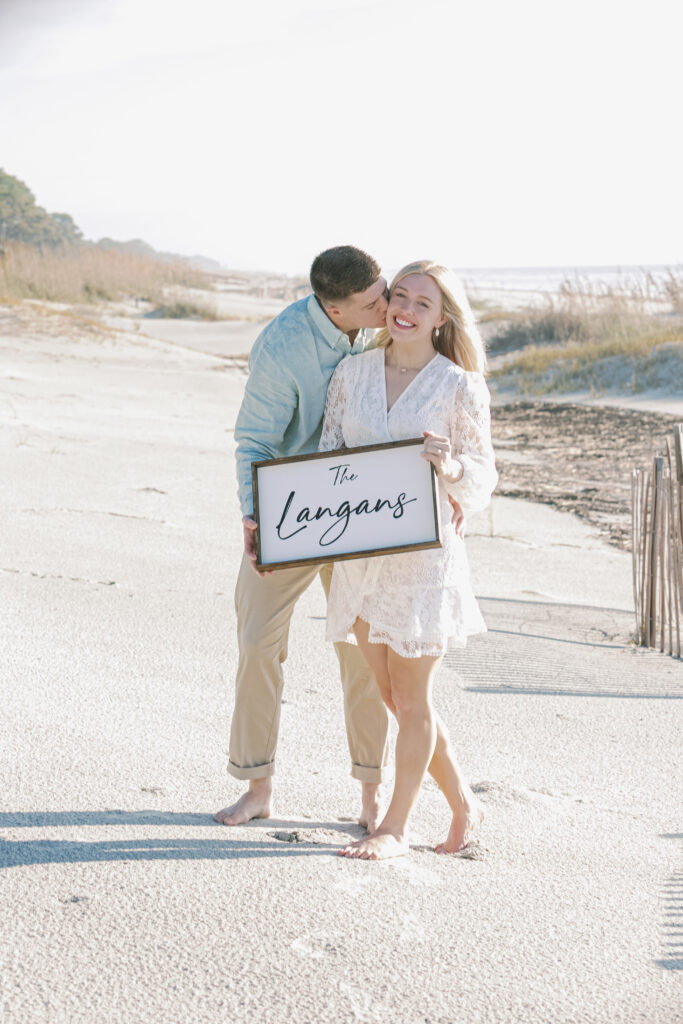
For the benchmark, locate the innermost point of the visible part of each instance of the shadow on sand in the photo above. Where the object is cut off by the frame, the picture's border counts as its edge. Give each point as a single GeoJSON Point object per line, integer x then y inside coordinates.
{"type": "Point", "coordinates": [672, 917]}
{"type": "Point", "coordinates": [548, 649]}
{"type": "Point", "coordinates": [268, 838]}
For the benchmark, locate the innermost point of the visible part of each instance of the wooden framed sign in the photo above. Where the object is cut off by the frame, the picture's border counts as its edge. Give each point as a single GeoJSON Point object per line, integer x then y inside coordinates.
{"type": "Point", "coordinates": [351, 503]}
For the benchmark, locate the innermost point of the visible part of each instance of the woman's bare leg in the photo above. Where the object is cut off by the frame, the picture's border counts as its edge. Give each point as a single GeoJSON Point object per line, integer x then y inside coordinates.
{"type": "Point", "coordinates": [405, 684]}
{"type": "Point", "coordinates": [443, 767]}
{"type": "Point", "coordinates": [467, 811]}
{"type": "Point", "coordinates": [376, 657]}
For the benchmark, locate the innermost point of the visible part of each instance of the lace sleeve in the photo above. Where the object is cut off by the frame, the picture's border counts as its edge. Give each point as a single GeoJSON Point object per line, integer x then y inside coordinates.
{"type": "Point", "coordinates": [332, 436]}
{"type": "Point", "coordinates": [471, 444]}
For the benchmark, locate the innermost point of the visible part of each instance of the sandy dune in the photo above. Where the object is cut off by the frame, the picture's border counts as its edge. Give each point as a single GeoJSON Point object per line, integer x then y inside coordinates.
{"type": "Point", "coordinates": [124, 902]}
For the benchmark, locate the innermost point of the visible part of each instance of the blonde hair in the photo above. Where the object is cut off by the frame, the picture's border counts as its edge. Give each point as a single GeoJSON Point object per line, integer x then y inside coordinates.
{"type": "Point", "coordinates": [459, 338]}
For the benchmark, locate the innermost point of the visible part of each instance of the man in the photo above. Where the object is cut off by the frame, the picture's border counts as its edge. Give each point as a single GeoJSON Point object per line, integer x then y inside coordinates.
{"type": "Point", "coordinates": [281, 414]}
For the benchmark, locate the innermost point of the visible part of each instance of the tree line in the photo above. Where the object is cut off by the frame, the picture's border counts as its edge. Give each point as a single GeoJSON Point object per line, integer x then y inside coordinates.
{"type": "Point", "coordinates": [22, 220]}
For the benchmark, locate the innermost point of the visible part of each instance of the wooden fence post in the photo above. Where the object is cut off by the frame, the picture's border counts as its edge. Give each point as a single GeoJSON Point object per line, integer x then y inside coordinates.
{"type": "Point", "coordinates": [657, 534]}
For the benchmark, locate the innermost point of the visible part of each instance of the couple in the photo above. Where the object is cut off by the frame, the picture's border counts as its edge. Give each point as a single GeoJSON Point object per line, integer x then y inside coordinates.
{"type": "Point", "coordinates": [321, 379]}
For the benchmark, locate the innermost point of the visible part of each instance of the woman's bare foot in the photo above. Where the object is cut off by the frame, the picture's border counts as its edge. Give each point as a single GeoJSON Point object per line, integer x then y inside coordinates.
{"type": "Point", "coordinates": [463, 826]}
{"type": "Point", "coordinates": [380, 846]}
{"type": "Point", "coordinates": [255, 803]}
{"type": "Point", "coordinates": [371, 809]}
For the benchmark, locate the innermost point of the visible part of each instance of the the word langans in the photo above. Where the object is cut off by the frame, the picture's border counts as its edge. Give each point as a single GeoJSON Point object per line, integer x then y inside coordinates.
{"type": "Point", "coordinates": [340, 516]}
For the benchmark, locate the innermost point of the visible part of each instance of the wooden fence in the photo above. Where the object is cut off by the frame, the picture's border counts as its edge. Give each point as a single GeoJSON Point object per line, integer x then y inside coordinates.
{"type": "Point", "coordinates": [657, 532]}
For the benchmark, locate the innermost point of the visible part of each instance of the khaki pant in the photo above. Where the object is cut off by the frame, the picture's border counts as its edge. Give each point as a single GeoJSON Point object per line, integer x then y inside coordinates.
{"type": "Point", "coordinates": [264, 608]}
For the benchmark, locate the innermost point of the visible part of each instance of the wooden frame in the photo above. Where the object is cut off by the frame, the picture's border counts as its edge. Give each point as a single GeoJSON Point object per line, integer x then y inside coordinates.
{"type": "Point", "coordinates": [350, 503]}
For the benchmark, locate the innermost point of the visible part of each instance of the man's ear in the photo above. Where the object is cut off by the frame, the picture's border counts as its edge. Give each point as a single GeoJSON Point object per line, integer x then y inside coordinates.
{"type": "Point", "coordinates": [333, 310]}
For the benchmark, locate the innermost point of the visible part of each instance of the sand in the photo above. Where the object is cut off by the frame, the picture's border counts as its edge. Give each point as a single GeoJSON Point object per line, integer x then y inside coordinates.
{"type": "Point", "coordinates": [577, 457]}
{"type": "Point", "coordinates": [124, 902]}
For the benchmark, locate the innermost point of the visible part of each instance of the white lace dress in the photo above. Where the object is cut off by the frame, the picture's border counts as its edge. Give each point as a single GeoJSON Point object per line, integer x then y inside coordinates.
{"type": "Point", "coordinates": [416, 601]}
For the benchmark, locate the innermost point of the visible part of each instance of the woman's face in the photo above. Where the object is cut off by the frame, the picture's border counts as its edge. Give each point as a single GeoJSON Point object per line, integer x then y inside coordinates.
{"type": "Point", "coordinates": [414, 308]}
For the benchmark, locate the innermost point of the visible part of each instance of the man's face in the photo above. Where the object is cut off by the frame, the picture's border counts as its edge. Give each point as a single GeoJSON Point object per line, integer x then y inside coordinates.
{"type": "Point", "coordinates": [365, 309]}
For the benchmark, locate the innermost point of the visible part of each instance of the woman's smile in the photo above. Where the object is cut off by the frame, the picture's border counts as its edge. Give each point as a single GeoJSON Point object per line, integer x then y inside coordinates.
{"type": "Point", "coordinates": [414, 308]}
{"type": "Point", "coordinates": [402, 323]}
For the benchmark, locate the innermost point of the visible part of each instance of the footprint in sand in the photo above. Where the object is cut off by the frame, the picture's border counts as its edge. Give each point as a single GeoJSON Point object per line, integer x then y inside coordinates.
{"type": "Point", "coordinates": [502, 793]}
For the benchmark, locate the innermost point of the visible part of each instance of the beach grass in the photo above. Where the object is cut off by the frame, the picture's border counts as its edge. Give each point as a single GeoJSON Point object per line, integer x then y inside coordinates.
{"type": "Point", "coordinates": [585, 312]}
{"type": "Point", "coordinates": [185, 310]}
{"type": "Point", "coordinates": [86, 274]}
{"type": "Point", "coordinates": [194, 309]}
{"type": "Point", "coordinates": [628, 365]}
{"type": "Point", "coordinates": [595, 338]}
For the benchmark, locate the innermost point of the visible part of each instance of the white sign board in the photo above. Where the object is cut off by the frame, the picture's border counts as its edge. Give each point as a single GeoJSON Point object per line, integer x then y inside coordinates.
{"type": "Point", "coordinates": [351, 503]}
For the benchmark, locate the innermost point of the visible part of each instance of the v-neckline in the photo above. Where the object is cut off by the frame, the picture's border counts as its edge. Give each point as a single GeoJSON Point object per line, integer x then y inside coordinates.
{"type": "Point", "coordinates": [390, 408]}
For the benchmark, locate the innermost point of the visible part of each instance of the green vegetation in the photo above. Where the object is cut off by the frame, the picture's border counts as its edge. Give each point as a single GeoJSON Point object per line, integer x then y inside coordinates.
{"type": "Point", "coordinates": [22, 220]}
{"type": "Point", "coordinates": [539, 328]}
{"type": "Point", "coordinates": [187, 311]}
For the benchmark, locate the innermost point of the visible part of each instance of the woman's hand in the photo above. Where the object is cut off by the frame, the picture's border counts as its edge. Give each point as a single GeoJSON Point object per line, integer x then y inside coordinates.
{"type": "Point", "coordinates": [437, 450]}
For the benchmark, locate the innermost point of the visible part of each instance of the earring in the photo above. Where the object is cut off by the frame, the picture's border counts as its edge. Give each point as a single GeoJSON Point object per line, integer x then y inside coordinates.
{"type": "Point", "coordinates": [436, 332]}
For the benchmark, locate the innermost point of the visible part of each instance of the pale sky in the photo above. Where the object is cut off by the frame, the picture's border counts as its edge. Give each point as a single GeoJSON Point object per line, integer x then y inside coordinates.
{"type": "Point", "coordinates": [485, 133]}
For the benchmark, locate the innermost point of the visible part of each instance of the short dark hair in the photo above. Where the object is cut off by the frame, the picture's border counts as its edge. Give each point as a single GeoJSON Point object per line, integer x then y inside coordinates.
{"type": "Point", "coordinates": [342, 271]}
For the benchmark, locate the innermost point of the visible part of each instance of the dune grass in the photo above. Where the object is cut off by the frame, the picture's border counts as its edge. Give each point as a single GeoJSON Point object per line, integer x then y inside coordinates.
{"type": "Point", "coordinates": [652, 360]}
{"type": "Point", "coordinates": [584, 312]}
{"type": "Point", "coordinates": [182, 310]}
{"type": "Point", "coordinates": [595, 338]}
{"type": "Point", "coordinates": [86, 273]}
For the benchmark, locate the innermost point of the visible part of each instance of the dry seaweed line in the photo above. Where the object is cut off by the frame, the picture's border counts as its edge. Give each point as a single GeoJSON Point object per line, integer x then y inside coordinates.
{"type": "Point", "coordinates": [657, 529]}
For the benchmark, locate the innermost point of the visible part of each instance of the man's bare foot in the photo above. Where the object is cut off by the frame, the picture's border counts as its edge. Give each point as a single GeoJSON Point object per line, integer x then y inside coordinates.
{"type": "Point", "coordinates": [463, 826]}
{"type": "Point", "coordinates": [378, 847]}
{"type": "Point", "coordinates": [255, 803]}
{"type": "Point", "coordinates": [371, 809]}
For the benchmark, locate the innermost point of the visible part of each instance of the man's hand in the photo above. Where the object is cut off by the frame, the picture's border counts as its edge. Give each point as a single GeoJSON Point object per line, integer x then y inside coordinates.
{"type": "Point", "coordinates": [249, 528]}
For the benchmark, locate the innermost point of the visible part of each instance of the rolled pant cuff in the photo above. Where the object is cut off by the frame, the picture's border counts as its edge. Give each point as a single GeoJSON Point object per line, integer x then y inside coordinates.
{"type": "Point", "coordinates": [364, 773]}
{"type": "Point", "coordinates": [257, 771]}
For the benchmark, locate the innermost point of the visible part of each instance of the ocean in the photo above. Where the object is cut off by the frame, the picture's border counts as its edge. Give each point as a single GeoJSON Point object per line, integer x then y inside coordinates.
{"type": "Point", "coordinates": [550, 279]}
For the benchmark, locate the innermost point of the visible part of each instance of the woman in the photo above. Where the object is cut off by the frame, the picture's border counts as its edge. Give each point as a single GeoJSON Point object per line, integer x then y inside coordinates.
{"type": "Point", "coordinates": [425, 377]}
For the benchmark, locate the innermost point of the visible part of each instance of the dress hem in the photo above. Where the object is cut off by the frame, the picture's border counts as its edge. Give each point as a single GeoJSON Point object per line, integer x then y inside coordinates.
{"type": "Point", "coordinates": [441, 646]}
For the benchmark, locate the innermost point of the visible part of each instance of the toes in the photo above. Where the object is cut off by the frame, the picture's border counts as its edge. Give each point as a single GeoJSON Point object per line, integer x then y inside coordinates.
{"type": "Point", "coordinates": [226, 818]}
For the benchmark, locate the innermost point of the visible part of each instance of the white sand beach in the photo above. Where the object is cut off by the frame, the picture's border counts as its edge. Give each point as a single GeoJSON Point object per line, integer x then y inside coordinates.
{"type": "Point", "coordinates": [124, 902]}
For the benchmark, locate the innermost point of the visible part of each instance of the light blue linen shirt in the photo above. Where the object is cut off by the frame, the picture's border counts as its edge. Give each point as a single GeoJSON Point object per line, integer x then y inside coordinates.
{"type": "Point", "coordinates": [290, 367]}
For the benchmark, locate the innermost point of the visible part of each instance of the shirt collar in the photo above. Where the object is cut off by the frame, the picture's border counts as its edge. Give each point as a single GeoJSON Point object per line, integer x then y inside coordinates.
{"type": "Point", "coordinates": [330, 332]}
